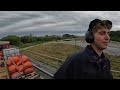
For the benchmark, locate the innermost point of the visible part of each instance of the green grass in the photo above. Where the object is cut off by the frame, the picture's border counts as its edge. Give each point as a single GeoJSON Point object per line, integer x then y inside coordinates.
{"type": "Point", "coordinates": [115, 64]}
{"type": "Point", "coordinates": [30, 44]}
{"type": "Point", "coordinates": [58, 50]}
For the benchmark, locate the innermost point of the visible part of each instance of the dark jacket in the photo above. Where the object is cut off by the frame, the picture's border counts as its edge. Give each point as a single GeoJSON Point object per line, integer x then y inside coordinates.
{"type": "Point", "coordinates": [82, 65]}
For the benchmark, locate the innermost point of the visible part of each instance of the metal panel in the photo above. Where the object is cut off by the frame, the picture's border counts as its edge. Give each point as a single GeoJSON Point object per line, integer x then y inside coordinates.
{"type": "Point", "coordinates": [10, 52]}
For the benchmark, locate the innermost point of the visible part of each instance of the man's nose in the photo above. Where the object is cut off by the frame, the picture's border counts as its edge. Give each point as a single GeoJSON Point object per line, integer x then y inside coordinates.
{"type": "Point", "coordinates": [107, 37]}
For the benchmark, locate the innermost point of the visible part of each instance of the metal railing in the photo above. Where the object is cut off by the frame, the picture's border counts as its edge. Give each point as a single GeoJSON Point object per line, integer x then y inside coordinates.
{"type": "Point", "coordinates": [43, 71]}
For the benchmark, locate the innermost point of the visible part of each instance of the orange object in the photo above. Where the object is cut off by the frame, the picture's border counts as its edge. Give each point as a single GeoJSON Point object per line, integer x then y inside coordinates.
{"type": "Point", "coordinates": [9, 62]}
{"type": "Point", "coordinates": [28, 70]}
{"type": "Point", "coordinates": [0, 57]}
{"type": "Point", "coordinates": [18, 56]}
{"type": "Point", "coordinates": [16, 74]}
{"type": "Point", "coordinates": [23, 59]}
{"type": "Point", "coordinates": [12, 69]}
{"type": "Point", "coordinates": [19, 62]}
{"type": "Point", "coordinates": [20, 67]}
{"type": "Point", "coordinates": [14, 59]}
{"type": "Point", "coordinates": [27, 65]}
{"type": "Point", "coordinates": [0, 54]}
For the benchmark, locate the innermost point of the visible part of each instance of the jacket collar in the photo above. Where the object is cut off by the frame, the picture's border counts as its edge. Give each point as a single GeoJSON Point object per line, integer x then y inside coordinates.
{"type": "Point", "coordinates": [92, 55]}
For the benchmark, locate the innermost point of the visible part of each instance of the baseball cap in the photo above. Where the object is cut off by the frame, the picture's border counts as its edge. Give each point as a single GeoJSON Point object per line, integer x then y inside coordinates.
{"type": "Point", "coordinates": [94, 22]}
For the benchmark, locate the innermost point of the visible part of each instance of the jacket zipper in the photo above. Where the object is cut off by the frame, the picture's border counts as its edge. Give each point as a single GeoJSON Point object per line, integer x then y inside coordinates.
{"type": "Point", "coordinates": [99, 70]}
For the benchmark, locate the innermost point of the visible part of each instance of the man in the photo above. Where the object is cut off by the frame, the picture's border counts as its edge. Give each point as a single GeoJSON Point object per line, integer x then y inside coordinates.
{"type": "Point", "coordinates": [90, 63]}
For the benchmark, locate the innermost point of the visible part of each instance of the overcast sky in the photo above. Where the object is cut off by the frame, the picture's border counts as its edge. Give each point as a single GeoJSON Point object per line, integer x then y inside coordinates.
{"type": "Point", "coordinates": [52, 22]}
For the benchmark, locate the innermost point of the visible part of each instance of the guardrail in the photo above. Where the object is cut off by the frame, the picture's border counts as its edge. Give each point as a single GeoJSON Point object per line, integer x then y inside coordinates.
{"type": "Point", "coordinates": [43, 71]}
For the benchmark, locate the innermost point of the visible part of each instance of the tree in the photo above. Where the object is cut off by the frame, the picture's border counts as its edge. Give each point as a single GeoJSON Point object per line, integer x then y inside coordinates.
{"type": "Point", "coordinates": [115, 36]}
{"type": "Point", "coordinates": [13, 39]}
{"type": "Point", "coordinates": [27, 39]}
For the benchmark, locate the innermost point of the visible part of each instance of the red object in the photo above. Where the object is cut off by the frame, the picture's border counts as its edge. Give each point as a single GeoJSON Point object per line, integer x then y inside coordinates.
{"type": "Point", "coordinates": [27, 65]}
{"type": "Point", "coordinates": [23, 59]}
{"type": "Point", "coordinates": [12, 69]}
{"type": "Point", "coordinates": [16, 74]}
{"type": "Point", "coordinates": [9, 62]}
{"type": "Point", "coordinates": [28, 70]}
{"type": "Point", "coordinates": [0, 54]}
{"type": "Point", "coordinates": [0, 57]}
{"type": "Point", "coordinates": [14, 59]}
{"type": "Point", "coordinates": [7, 46]}
{"type": "Point", "coordinates": [18, 56]}
{"type": "Point", "coordinates": [20, 67]}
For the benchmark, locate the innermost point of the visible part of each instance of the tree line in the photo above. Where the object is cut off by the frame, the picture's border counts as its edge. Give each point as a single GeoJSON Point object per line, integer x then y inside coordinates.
{"type": "Point", "coordinates": [115, 35]}
{"type": "Point", "coordinates": [18, 41]}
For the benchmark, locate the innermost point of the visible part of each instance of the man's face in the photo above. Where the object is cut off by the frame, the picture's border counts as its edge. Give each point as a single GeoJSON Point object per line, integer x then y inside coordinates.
{"type": "Point", "coordinates": [101, 38]}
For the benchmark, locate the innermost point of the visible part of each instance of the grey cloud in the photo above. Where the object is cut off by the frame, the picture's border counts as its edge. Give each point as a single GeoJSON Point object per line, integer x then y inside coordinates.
{"type": "Point", "coordinates": [53, 21]}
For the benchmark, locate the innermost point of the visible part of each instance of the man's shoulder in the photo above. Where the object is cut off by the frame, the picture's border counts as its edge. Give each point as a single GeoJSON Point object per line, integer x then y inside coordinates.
{"type": "Point", "coordinates": [80, 55]}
